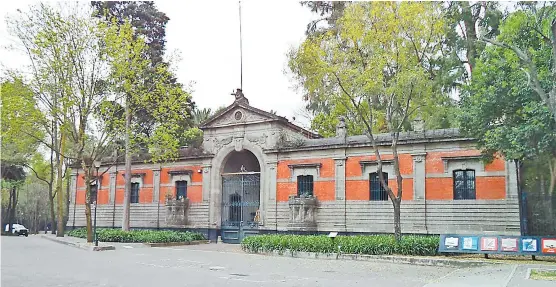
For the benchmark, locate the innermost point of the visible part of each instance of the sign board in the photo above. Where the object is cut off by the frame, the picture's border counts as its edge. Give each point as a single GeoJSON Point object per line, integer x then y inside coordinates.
{"type": "Point", "coordinates": [549, 245]}
{"type": "Point", "coordinates": [493, 244]}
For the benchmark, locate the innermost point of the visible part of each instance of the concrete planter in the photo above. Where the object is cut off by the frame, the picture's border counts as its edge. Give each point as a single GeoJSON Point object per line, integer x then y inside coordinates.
{"type": "Point", "coordinates": [176, 212]}
{"type": "Point", "coordinates": [302, 213]}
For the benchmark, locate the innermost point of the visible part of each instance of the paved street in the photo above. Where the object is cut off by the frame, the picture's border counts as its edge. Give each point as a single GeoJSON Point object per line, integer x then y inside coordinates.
{"type": "Point", "coordinates": [35, 261]}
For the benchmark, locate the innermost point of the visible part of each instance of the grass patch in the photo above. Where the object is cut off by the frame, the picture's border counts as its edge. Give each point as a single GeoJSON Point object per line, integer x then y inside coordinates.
{"type": "Point", "coordinates": [139, 236]}
{"type": "Point", "coordinates": [371, 244]}
{"type": "Point", "coordinates": [543, 274]}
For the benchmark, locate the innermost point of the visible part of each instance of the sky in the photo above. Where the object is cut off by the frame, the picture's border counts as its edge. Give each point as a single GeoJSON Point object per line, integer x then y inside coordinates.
{"type": "Point", "coordinates": [205, 35]}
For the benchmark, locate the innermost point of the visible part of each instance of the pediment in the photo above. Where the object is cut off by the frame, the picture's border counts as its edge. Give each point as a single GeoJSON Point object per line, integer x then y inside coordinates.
{"type": "Point", "coordinates": [239, 114]}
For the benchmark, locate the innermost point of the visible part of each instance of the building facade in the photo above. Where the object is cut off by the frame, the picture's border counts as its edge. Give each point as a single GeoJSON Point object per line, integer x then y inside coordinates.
{"type": "Point", "coordinates": [258, 173]}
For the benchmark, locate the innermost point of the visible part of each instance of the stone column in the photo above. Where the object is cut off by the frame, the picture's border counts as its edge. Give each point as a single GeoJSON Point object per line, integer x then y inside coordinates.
{"type": "Point", "coordinates": [272, 168]}
{"type": "Point", "coordinates": [73, 186]}
{"type": "Point", "coordinates": [340, 177]}
{"type": "Point", "coordinates": [156, 184]}
{"type": "Point", "coordinates": [206, 182]}
{"type": "Point", "coordinates": [419, 192]}
{"type": "Point", "coordinates": [419, 176]}
{"type": "Point", "coordinates": [112, 187]}
{"type": "Point", "coordinates": [511, 177]}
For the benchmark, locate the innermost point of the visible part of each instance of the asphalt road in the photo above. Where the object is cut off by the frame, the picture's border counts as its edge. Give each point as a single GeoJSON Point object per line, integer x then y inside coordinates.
{"type": "Point", "coordinates": [35, 261]}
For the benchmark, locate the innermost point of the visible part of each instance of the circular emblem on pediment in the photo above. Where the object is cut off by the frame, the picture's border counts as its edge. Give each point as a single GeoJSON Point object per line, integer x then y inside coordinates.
{"type": "Point", "coordinates": [238, 115]}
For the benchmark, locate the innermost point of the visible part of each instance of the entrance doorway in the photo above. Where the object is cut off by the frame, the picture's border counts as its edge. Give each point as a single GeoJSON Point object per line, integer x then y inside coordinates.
{"type": "Point", "coordinates": [241, 179]}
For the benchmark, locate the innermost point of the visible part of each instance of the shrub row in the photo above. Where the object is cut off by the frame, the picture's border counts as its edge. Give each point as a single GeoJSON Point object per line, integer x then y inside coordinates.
{"type": "Point", "coordinates": [144, 236]}
{"type": "Point", "coordinates": [371, 244]}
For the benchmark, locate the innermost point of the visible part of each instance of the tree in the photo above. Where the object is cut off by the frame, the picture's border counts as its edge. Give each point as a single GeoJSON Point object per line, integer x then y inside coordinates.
{"type": "Point", "coordinates": [19, 112]}
{"type": "Point", "coordinates": [155, 91]}
{"type": "Point", "coordinates": [525, 32]}
{"type": "Point", "coordinates": [149, 25]}
{"type": "Point", "coordinates": [68, 76]}
{"type": "Point", "coordinates": [461, 47]}
{"type": "Point", "coordinates": [200, 116]}
{"type": "Point", "coordinates": [502, 110]}
{"type": "Point", "coordinates": [326, 111]}
{"type": "Point", "coordinates": [376, 62]}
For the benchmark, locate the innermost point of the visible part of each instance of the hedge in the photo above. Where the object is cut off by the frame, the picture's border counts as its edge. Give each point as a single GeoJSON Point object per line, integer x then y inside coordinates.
{"type": "Point", "coordinates": [371, 244]}
{"type": "Point", "coordinates": [144, 236]}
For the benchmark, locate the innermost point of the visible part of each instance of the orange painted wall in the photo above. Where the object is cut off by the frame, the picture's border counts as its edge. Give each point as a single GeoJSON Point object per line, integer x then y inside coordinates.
{"type": "Point", "coordinates": [493, 187]}
{"type": "Point", "coordinates": [146, 191]}
{"type": "Point", "coordinates": [434, 163]}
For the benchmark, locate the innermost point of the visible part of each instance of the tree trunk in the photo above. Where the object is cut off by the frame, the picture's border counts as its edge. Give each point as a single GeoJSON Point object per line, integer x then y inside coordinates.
{"type": "Point", "coordinates": [52, 213]}
{"type": "Point", "coordinates": [67, 202]}
{"type": "Point", "coordinates": [127, 190]}
{"type": "Point", "coordinates": [13, 198]}
{"type": "Point", "coordinates": [88, 205]}
{"type": "Point", "coordinates": [59, 192]}
{"type": "Point", "coordinates": [397, 219]}
{"type": "Point", "coordinates": [9, 213]}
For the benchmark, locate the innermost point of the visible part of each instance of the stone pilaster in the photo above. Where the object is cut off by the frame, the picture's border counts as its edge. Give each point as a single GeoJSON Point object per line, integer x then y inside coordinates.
{"type": "Point", "coordinates": [206, 182]}
{"type": "Point", "coordinates": [156, 184]}
{"type": "Point", "coordinates": [73, 186]}
{"type": "Point", "coordinates": [340, 177]}
{"type": "Point", "coordinates": [272, 175]}
{"type": "Point", "coordinates": [112, 186]}
{"type": "Point", "coordinates": [419, 176]}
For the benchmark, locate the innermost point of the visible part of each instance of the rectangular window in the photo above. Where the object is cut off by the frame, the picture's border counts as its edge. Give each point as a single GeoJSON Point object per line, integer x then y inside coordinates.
{"type": "Point", "coordinates": [464, 184]}
{"type": "Point", "coordinates": [93, 193]}
{"type": "Point", "coordinates": [305, 185]}
{"type": "Point", "coordinates": [134, 192]}
{"type": "Point", "coordinates": [181, 189]}
{"type": "Point", "coordinates": [378, 192]}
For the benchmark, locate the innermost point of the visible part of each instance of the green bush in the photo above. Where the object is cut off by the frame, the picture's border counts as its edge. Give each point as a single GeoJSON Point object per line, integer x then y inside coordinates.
{"type": "Point", "coordinates": [149, 236]}
{"type": "Point", "coordinates": [371, 244]}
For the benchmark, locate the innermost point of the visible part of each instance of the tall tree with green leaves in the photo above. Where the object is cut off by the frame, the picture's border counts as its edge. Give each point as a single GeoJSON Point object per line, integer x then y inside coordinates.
{"type": "Point", "coordinates": [149, 24]}
{"type": "Point", "coordinates": [445, 70]}
{"type": "Point", "coordinates": [376, 63]}
{"type": "Point", "coordinates": [128, 77]}
{"type": "Point", "coordinates": [501, 107]}
{"type": "Point", "coordinates": [68, 75]}
{"type": "Point", "coordinates": [19, 112]}
{"type": "Point", "coordinates": [525, 32]}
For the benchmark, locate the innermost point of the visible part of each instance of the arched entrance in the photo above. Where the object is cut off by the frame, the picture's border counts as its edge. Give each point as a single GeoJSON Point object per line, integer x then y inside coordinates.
{"type": "Point", "coordinates": [241, 178]}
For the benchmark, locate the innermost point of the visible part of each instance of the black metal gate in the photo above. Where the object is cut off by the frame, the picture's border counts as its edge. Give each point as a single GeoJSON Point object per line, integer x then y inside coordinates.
{"type": "Point", "coordinates": [240, 206]}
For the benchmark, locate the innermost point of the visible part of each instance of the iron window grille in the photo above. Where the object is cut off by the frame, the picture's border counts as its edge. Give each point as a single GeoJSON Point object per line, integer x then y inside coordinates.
{"type": "Point", "coordinates": [93, 193]}
{"type": "Point", "coordinates": [134, 192]}
{"type": "Point", "coordinates": [376, 189]}
{"type": "Point", "coordinates": [181, 189]}
{"type": "Point", "coordinates": [305, 185]}
{"type": "Point", "coordinates": [464, 184]}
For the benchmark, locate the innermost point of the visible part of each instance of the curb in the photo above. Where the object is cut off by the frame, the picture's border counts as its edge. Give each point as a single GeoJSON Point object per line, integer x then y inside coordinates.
{"type": "Point", "coordinates": [169, 244]}
{"type": "Point", "coordinates": [424, 261]}
{"type": "Point", "coordinates": [79, 245]}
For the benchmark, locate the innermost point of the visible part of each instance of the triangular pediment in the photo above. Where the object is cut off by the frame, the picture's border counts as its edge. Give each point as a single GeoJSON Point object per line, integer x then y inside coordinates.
{"type": "Point", "coordinates": [240, 114]}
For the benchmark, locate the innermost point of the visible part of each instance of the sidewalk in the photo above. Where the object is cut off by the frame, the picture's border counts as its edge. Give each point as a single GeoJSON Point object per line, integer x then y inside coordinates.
{"type": "Point", "coordinates": [78, 242]}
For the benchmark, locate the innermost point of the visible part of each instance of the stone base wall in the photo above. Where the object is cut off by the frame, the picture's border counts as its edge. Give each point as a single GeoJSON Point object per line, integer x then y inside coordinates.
{"type": "Point", "coordinates": [418, 217]}
{"type": "Point", "coordinates": [142, 216]}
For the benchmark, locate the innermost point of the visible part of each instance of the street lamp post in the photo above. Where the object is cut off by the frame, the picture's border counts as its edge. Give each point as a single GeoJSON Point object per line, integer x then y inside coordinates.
{"type": "Point", "coordinates": [97, 166]}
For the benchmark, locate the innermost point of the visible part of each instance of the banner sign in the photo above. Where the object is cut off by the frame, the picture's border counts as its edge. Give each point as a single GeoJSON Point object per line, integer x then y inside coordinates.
{"type": "Point", "coordinates": [494, 244]}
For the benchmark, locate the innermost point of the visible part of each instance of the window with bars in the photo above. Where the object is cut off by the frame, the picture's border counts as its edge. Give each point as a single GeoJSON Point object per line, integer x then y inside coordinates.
{"type": "Point", "coordinates": [181, 189]}
{"type": "Point", "coordinates": [377, 191]}
{"type": "Point", "coordinates": [304, 185]}
{"type": "Point", "coordinates": [464, 184]}
{"type": "Point", "coordinates": [93, 193]}
{"type": "Point", "coordinates": [134, 192]}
